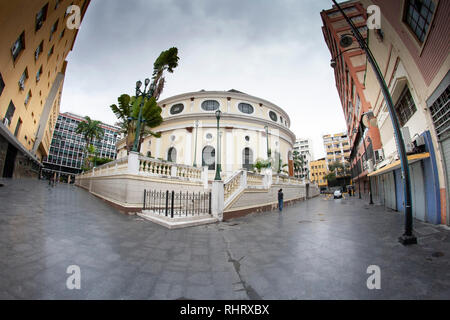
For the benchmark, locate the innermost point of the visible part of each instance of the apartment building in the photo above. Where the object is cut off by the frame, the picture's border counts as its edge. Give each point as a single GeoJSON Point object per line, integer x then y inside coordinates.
{"type": "Point", "coordinates": [67, 148]}
{"type": "Point", "coordinates": [350, 69]}
{"type": "Point", "coordinates": [305, 149]}
{"type": "Point", "coordinates": [34, 44]}
{"type": "Point", "coordinates": [337, 148]}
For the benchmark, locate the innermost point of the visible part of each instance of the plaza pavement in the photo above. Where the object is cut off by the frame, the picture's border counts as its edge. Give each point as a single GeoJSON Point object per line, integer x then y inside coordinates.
{"type": "Point", "coordinates": [318, 249]}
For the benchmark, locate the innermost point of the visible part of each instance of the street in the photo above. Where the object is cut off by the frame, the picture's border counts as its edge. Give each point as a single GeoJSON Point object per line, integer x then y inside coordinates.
{"type": "Point", "coordinates": [318, 249]}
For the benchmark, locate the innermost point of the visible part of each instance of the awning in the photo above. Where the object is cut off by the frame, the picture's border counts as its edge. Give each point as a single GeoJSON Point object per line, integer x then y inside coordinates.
{"type": "Point", "coordinates": [395, 165]}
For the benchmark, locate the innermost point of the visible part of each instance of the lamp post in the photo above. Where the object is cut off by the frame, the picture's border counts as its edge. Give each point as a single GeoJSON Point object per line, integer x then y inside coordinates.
{"type": "Point", "coordinates": [218, 166]}
{"type": "Point", "coordinates": [146, 94]}
{"type": "Point", "coordinates": [195, 147]}
{"type": "Point", "coordinates": [266, 128]}
{"type": "Point", "coordinates": [346, 41]}
{"type": "Point", "coordinates": [365, 152]}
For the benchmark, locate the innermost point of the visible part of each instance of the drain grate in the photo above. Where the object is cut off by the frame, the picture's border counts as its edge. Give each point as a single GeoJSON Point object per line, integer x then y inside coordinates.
{"type": "Point", "coordinates": [438, 254]}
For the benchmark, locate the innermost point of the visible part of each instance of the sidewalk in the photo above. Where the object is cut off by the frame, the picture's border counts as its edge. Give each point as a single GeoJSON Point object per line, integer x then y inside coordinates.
{"type": "Point", "coordinates": [316, 249]}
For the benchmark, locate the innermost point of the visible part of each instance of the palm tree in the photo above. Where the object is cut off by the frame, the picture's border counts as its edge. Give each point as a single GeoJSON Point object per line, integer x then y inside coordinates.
{"type": "Point", "coordinates": [127, 111]}
{"type": "Point", "coordinates": [299, 163]}
{"type": "Point", "coordinates": [90, 129]}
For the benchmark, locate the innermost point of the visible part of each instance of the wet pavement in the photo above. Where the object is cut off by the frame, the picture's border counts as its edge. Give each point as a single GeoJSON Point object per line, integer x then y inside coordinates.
{"type": "Point", "coordinates": [318, 249]}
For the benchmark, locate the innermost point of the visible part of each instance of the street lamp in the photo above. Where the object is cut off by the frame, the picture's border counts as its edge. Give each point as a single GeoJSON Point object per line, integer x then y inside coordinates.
{"type": "Point", "coordinates": [218, 166]}
{"type": "Point", "coordinates": [346, 41]}
{"type": "Point", "coordinates": [146, 94]}
{"type": "Point", "coordinates": [367, 117]}
{"type": "Point", "coordinates": [333, 61]}
{"type": "Point", "coordinates": [266, 128]}
{"type": "Point", "coordinates": [195, 147]}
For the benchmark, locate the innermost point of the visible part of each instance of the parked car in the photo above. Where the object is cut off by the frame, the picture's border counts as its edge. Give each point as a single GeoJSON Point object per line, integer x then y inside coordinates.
{"type": "Point", "coordinates": [337, 194]}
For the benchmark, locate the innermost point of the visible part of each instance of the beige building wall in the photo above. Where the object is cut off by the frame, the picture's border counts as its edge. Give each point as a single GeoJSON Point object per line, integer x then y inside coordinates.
{"type": "Point", "coordinates": [400, 69]}
{"type": "Point", "coordinates": [37, 104]}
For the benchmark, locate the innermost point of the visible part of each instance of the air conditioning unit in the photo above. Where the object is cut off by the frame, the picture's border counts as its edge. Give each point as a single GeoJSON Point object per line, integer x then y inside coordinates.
{"type": "Point", "coordinates": [6, 122]}
{"type": "Point", "coordinates": [379, 155]}
{"type": "Point", "coordinates": [370, 165]}
{"type": "Point", "coordinates": [419, 141]}
{"type": "Point", "coordinates": [407, 139]}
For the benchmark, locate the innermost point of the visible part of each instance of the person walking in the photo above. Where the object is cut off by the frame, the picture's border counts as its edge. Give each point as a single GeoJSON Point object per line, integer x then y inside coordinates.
{"type": "Point", "coordinates": [280, 200]}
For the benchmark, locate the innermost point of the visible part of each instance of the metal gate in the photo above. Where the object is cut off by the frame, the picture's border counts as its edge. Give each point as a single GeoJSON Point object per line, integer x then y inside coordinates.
{"type": "Point", "coordinates": [177, 204]}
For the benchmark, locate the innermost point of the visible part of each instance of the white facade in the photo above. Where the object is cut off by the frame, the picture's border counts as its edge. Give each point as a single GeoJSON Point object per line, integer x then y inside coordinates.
{"type": "Point", "coordinates": [305, 149]}
{"type": "Point", "coordinates": [189, 131]}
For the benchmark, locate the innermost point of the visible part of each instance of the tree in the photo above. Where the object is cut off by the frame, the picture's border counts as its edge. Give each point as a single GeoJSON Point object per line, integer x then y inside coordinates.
{"type": "Point", "coordinates": [90, 129]}
{"type": "Point", "coordinates": [299, 163]}
{"type": "Point", "coordinates": [261, 164]}
{"type": "Point", "coordinates": [127, 110]}
{"type": "Point", "coordinates": [340, 169]}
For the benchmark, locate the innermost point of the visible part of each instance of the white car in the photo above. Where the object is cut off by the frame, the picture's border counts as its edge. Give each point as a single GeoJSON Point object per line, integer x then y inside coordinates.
{"type": "Point", "coordinates": [337, 194]}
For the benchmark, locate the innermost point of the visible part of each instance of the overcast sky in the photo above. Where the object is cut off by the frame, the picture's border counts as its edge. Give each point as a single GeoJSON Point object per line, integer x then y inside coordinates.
{"type": "Point", "coordinates": [272, 49]}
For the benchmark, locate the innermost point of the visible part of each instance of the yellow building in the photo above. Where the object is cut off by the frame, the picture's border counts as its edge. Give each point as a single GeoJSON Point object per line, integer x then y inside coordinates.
{"type": "Point", "coordinates": [34, 43]}
{"type": "Point", "coordinates": [318, 172]}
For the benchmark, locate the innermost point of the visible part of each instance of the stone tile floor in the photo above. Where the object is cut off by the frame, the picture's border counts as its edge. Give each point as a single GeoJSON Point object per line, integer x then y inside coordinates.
{"type": "Point", "coordinates": [318, 249]}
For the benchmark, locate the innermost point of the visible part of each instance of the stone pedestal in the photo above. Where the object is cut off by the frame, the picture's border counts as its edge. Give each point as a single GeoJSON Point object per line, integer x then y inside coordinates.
{"type": "Point", "coordinates": [217, 199]}
{"type": "Point", "coordinates": [133, 163]}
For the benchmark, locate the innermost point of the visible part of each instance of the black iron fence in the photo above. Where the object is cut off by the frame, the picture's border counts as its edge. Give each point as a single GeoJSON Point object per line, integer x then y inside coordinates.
{"type": "Point", "coordinates": [177, 204]}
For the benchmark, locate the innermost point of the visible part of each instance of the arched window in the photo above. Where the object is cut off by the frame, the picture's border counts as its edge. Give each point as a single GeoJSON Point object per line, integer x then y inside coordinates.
{"type": "Point", "coordinates": [209, 157]}
{"type": "Point", "coordinates": [245, 108]}
{"type": "Point", "coordinates": [273, 116]}
{"type": "Point", "coordinates": [247, 159]}
{"type": "Point", "coordinates": [172, 155]}
{"type": "Point", "coordinates": [210, 105]}
{"type": "Point", "coordinates": [177, 108]}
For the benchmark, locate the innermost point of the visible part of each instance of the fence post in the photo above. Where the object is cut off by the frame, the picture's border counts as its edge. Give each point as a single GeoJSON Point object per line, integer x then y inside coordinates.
{"type": "Point", "coordinates": [217, 200]}
{"type": "Point", "coordinates": [173, 199]}
{"type": "Point", "coordinates": [145, 197]}
{"type": "Point", "coordinates": [173, 171]}
{"type": "Point", "coordinates": [167, 202]}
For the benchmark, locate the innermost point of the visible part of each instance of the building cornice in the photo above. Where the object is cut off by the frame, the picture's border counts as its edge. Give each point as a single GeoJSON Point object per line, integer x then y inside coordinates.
{"type": "Point", "coordinates": [225, 95]}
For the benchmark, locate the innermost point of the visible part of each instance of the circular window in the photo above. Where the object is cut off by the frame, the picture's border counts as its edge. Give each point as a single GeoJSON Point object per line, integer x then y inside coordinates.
{"type": "Point", "coordinates": [273, 116]}
{"type": "Point", "coordinates": [209, 136]}
{"type": "Point", "coordinates": [177, 108]}
{"type": "Point", "coordinates": [247, 138]}
{"type": "Point", "coordinates": [245, 108]}
{"type": "Point", "coordinates": [172, 138]}
{"type": "Point", "coordinates": [210, 105]}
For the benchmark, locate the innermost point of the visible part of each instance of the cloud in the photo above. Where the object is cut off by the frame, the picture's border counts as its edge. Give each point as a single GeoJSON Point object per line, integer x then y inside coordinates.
{"type": "Point", "coordinates": [271, 49]}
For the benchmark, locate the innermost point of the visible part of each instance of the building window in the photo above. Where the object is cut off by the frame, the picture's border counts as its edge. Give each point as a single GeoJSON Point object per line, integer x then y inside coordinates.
{"type": "Point", "coordinates": [440, 112]}
{"type": "Point", "coordinates": [10, 112]}
{"type": "Point", "coordinates": [18, 46]}
{"type": "Point", "coordinates": [247, 159]}
{"type": "Point", "coordinates": [18, 126]}
{"type": "Point", "coordinates": [210, 105]}
{"type": "Point", "coordinates": [22, 80]}
{"type": "Point", "coordinates": [405, 107]}
{"type": "Point", "coordinates": [28, 97]}
{"type": "Point", "coordinates": [38, 51]}
{"type": "Point", "coordinates": [273, 116]}
{"type": "Point", "coordinates": [53, 29]}
{"type": "Point", "coordinates": [209, 136]}
{"type": "Point", "coordinates": [209, 157]}
{"type": "Point", "coordinates": [41, 16]}
{"type": "Point", "coordinates": [177, 108]}
{"type": "Point", "coordinates": [2, 84]}
{"type": "Point", "coordinates": [247, 138]}
{"type": "Point", "coordinates": [57, 4]}
{"type": "Point", "coordinates": [50, 52]}
{"type": "Point", "coordinates": [172, 155]}
{"type": "Point", "coordinates": [38, 74]}
{"type": "Point", "coordinates": [61, 35]}
{"type": "Point", "coordinates": [245, 108]}
{"type": "Point", "coordinates": [418, 15]}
